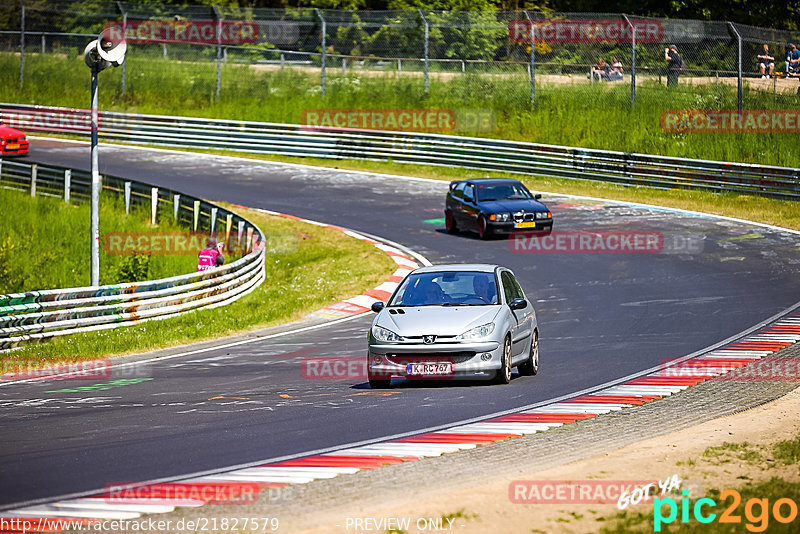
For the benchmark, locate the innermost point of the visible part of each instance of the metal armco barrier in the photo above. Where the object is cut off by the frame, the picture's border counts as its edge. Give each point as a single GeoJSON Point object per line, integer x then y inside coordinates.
{"type": "Point", "coordinates": [492, 155]}
{"type": "Point", "coordinates": [36, 315]}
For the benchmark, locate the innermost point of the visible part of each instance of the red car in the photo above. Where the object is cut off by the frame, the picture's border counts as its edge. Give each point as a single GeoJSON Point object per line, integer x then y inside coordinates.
{"type": "Point", "coordinates": [12, 141]}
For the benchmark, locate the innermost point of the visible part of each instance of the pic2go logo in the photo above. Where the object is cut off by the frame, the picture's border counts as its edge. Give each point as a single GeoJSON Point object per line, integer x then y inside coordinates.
{"type": "Point", "coordinates": [756, 511]}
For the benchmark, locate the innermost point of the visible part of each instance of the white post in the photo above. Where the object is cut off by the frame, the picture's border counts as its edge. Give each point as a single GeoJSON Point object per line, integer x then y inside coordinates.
{"type": "Point", "coordinates": [196, 214]}
{"type": "Point", "coordinates": [213, 220]}
{"type": "Point", "coordinates": [127, 197]}
{"type": "Point", "coordinates": [176, 206]}
{"type": "Point", "coordinates": [34, 171]}
{"type": "Point", "coordinates": [153, 204]}
{"type": "Point", "coordinates": [67, 184]}
{"type": "Point", "coordinates": [239, 236]}
{"type": "Point", "coordinates": [95, 226]}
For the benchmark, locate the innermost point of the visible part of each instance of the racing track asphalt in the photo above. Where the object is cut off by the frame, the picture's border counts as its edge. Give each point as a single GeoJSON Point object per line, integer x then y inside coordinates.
{"type": "Point", "coordinates": [601, 316]}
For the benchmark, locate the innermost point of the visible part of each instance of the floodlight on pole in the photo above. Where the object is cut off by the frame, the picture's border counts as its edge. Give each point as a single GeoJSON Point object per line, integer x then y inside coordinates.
{"type": "Point", "coordinates": [106, 51]}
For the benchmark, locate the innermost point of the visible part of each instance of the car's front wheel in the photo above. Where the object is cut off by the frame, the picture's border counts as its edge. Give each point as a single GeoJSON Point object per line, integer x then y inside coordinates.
{"type": "Point", "coordinates": [484, 232]}
{"type": "Point", "coordinates": [504, 373]}
{"type": "Point", "coordinates": [531, 366]}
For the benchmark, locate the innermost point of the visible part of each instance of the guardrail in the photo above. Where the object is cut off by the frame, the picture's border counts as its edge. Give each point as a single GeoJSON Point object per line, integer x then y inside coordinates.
{"type": "Point", "coordinates": [36, 315]}
{"type": "Point", "coordinates": [491, 155]}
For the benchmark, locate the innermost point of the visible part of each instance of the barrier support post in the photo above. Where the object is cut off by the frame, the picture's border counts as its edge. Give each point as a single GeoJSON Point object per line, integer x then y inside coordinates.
{"type": "Point", "coordinates": [127, 198]}
{"type": "Point", "coordinates": [176, 206]}
{"type": "Point", "coordinates": [153, 205]}
{"type": "Point", "coordinates": [34, 172]}
{"type": "Point", "coordinates": [67, 184]}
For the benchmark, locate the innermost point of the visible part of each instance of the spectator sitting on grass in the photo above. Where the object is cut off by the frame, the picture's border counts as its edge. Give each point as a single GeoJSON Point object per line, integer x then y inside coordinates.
{"type": "Point", "coordinates": [616, 69]}
{"type": "Point", "coordinates": [766, 62]}
{"type": "Point", "coordinates": [793, 61]}
{"type": "Point", "coordinates": [600, 71]}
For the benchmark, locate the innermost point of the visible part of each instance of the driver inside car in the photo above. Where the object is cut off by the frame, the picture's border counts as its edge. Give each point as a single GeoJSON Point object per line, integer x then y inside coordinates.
{"type": "Point", "coordinates": [482, 289]}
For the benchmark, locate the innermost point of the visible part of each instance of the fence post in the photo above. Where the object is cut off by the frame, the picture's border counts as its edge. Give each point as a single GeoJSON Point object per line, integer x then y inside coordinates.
{"type": "Point", "coordinates": [124, 33]}
{"type": "Point", "coordinates": [344, 66]}
{"type": "Point", "coordinates": [738, 66]}
{"type": "Point", "coordinates": [176, 206]}
{"type": "Point", "coordinates": [633, 60]}
{"type": "Point", "coordinates": [153, 204]}
{"type": "Point", "coordinates": [67, 184]}
{"type": "Point", "coordinates": [283, 60]}
{"type": "Point", "coordinates": [34, 171]}
{"type": "Point", "coordinates": [218, 18]}
{"type": "Point", "coordinates": [532, 66]}
{"type": "Point", "coordinates": [214, 220]}
{"type": "Point", "coordinates": [164, 50]}
{"type": "Point", "coordinates": [127, 197]}
{"type": "Point", "coordinates": [239, 235]}
{"type": "Point", "coordinates": [228, 224]}
{"type": "Point", "coordinates": [44, 43]}
{"type": "Point", "coordinates": [323, 58]}
{"type": "Point", "coordinates": [427, 32]}
{"type": "Point", "coordinates": [22, 44]}
{"type": "Point", "coordinates": [196, 214]}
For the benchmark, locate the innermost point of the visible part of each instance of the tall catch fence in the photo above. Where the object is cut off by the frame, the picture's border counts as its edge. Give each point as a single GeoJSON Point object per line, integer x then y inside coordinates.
{"type": "Point", "coordinates": [538, 50]}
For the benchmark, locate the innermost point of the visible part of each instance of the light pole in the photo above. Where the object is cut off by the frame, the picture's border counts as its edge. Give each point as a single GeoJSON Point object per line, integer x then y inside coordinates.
{"type": "Point", "coordinates": [107, 50]}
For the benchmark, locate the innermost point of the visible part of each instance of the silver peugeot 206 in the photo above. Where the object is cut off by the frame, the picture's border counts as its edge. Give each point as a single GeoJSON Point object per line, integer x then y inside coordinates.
{"type": "Point", "coordinates": [454, 321]}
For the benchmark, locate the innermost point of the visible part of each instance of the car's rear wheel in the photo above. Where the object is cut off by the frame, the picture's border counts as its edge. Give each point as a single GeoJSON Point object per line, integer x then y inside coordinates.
{"type": "Point", "coordinates": [504, 373]}
{"type": "Point", "coordinates": [484, 232]}
{"type": "Point", "coordinates": [531, 366]}
{"type": "Point", "coordinates": [450, 222]}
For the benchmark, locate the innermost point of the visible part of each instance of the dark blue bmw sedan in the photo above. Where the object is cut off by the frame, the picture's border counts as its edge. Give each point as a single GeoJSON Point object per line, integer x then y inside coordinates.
{"type": "Point", "coordinates": [494, 206]}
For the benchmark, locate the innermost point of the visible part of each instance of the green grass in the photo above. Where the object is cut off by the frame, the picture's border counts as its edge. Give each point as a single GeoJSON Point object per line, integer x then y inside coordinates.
{"type": "Point", "coordinates": [788, 452]}
{"type": "Point", "coordinates": [597, 117]}
{"type": "Point", "coordinates": [729, 451]}
{"type": "Point", "coordinates": [311, 267]}
{"type": "Point", "coordinates": [45, 244]}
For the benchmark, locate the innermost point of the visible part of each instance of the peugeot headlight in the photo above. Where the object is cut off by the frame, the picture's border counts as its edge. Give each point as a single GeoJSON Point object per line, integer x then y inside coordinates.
{"type": "Point", "coordinates": [477, 333]}
{"type": "Point", "coordinates": [382, 334]}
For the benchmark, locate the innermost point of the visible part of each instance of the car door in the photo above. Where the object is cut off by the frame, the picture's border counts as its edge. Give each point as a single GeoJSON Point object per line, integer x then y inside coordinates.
{"type": "Point", "coordinates": [455, 203]}
{"type": "Point", "coordinates": [470, 208]}
{"type": "Point", "coordinates": [522, 326]}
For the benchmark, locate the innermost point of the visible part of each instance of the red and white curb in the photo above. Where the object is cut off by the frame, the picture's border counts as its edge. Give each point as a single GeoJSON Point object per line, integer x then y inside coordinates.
{"type": "Point", "coordinates": [653, 385]}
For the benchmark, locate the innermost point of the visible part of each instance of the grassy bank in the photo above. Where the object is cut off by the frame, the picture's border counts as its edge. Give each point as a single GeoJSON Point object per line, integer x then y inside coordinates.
{"type": "Point", "coordinates": [45, 244]}
{"type": "Point", "coordinates": [307, 268]}
{"type": "Point", "coordinates": [599, 117]}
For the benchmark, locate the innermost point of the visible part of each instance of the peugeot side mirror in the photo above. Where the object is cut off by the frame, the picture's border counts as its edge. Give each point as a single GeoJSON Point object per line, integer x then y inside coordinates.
{"type": "Point", "coordinates": [517, 304]}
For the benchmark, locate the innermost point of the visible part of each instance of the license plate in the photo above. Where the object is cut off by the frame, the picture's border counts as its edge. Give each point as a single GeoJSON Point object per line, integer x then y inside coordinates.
{"type": "Point", "coordinates": [12, 146]}
{"type": "Point", "coordinates": [444, 368]}
{"type": "Point", "coordinates": [527, 224]}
